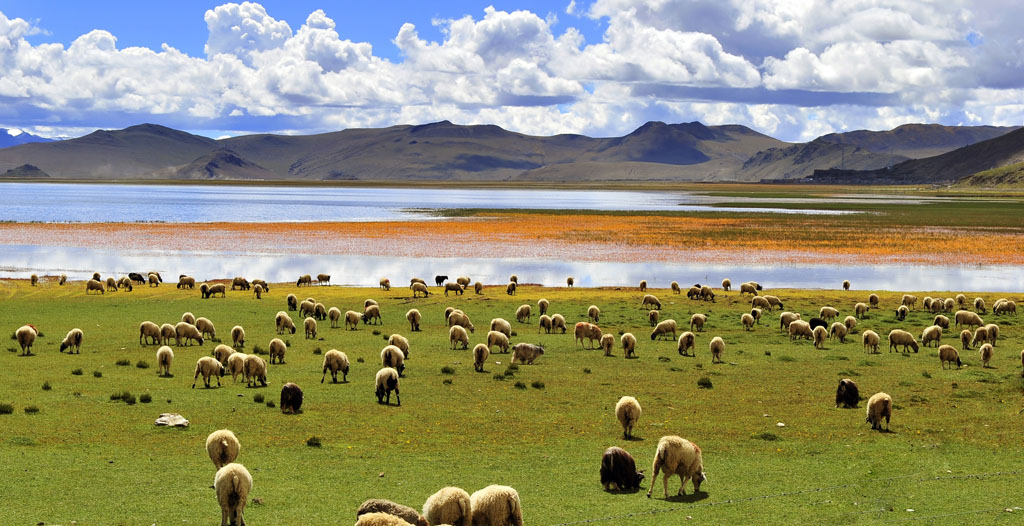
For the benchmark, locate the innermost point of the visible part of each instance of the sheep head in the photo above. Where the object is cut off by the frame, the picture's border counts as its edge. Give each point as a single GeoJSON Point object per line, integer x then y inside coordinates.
{"type": "Point", "coordinates": [698, 479]}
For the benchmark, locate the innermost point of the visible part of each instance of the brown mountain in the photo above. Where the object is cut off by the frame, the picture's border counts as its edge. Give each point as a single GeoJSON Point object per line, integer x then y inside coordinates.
{"type": "Point", "coordinates": [222, 164]}
{"type": "Point", "coordinates": [25, 171]}
{"type": "Point", "coordinates": [917, 141]}
{"type": "Point", "coordinates": [803, 159]}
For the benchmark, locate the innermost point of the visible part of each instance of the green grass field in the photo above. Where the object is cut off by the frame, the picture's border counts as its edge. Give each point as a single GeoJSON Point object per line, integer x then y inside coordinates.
{"type": "Point", "coordinates": [953, 454]}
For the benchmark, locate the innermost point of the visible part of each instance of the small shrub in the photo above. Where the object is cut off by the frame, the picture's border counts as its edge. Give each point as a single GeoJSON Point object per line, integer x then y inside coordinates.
{"type": "Point", "coordinates": [271, 404]}
{"type": "Point", "coordinates": [360, 360]}
{"type": "Point", "coordinates": [145, 398]}
{"type": "Point", "coordinates": [512, 367]}
{"type": "Point", "coordinates": [498, 376]}
{"type": "Point", "coordinates": [704, 382]}
{"type": "Point", "coordinates": [376, 332]}
{"type": "Point", "coordinates": [586, 370]}
{"type": "Point", "coordinates": [509, 373]}
{"type": "Point", "coordinates": [314, 441]}
{"type": "Point", "coordinates": [12, 349]}
{"type": "Point", "coordinates": [520, 385]}
{"type": "Point", "coordinates": [142, 364]}
{"type": "Point", "coordinates": [6, 409]}
{"type": "Point", "coordinates": [123, 396]}
{"type": "Point", "coordinates": [258, 349]}
{"type": "Point", "coordinates": [97, 374]}
{"type": "Point", "coordinates": [31, 410]}
{"type": "Point", "coordinates": [926, 374]}
{"type": "Point", "coordinates": [537, 384]}
{"type": "Point", "coordinates": [130, 399]}
{"type": "Point", "coordinates": [447, 370]}
{"type": "Point", "coordinates": [447, 381]}
{"type": "Point", "coordinates": [258, 398]}
{"type": "Point", "coordinates": [318, 351]}
{"type": "Point", "coordinates": [47, 386]}
{"type": "Point", "coordinates": [123, 362]}
{"type": "Point", "coordinates": [514, 334]}
{"type": "Point", "coordinates": [77, 372]}
{"type": "Point", "coordinates": [385, 337]}
{"type": "Point", "coordinates": [767, 353]}
{"type": "Point", "coordinates": [765, 435]}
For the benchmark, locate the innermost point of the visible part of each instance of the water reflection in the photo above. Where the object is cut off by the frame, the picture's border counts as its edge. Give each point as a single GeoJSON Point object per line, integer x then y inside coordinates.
{"type": "Point", "coordinates": [80, 263]}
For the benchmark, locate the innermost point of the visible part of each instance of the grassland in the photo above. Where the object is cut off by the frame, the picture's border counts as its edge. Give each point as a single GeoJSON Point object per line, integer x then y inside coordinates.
{"type": "Point", "coordinates": [953, 453]}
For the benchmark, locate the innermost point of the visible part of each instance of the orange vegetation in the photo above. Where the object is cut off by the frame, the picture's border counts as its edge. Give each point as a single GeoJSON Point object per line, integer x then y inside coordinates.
{"type": "Point", "coordinates": [815, 239]}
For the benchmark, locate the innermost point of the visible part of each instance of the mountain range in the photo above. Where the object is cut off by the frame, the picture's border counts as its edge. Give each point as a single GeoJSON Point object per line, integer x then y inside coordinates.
{"type": "Point", "coordinates": [444, 151]}
{"type": "Point", "coordinates": [16, 137]}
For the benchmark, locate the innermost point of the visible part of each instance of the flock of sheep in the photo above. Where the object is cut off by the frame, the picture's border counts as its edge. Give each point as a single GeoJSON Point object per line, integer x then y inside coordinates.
{"type": "Point", "coordinates": [500, 505]}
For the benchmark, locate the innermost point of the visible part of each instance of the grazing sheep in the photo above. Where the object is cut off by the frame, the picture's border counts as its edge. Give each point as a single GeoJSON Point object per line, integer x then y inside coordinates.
{"type": "Point", "coordinates": [665, 328]}
{"type": "Point", "coordinates": [873, 300]}
{"type": "Point", "coordinates": [94, 284]}
{"type": "Point", "coordinates": [847, 394]}
{"type": "Point", "coordinates": [965, 339]}
{"type": "Point", "coordinates": [542, 306]}
{"type": "Point", "coordinates": [380, 519]}
{"type": "Point", "coordinates": [334, 361]}
{"type": "Point", "coordinates": [254, 369]}
{"type": "Point", "coordinates": [523, 314]}
{"type": "Point", "coordinates": [828, 313]}
{"type": "Point", "coordinates": [236, 365]}
{"type": "Point", "coordinates": [501, 325]}
{"type": "Point", "coordinates": [461, 319]}
{"type": "Point", "coordinates": [207, 367]}
{"type": "Point", "coordinates": [419, 288]}
{"type": "Point", "coordinates": [1005, 307]}
{"type": "Point", "coordinates": [927, 303]}
{"type": "Point", "coordinates": [478, 288]}
{"type": "Point", "coordinates": [980, 336]}
{"type": "Point", "coordinates": [26, 336]}
{"type": "Point", "coordinates": [188, 317]}
{"type": "Point", "coordinates": [726, 284]}
{"type": "Point", "coordinates": [870, 339]}
{"type": "Point", "coordinates": [643, 285]}
{"type": "Point", "coordinates": [618, 470]}
{"type": "Point", "coordinates": [544, 324]}
{"type": "Point", "coordinates": [819, 334]}
{"type": "Point", "coordinates": [706, 294]}
{"type": "Point", "coordinates": [931, 334]}
{"type": "Point", "coordinates": [496, 506]}
{"type": "Point", "coordinates": [514, 279]}
{"type": "Point", "coordinates": [72, 339]}
{"type": "Point", "coordinates": [678, 456]}
{"type": "Point", "coordinates": [966, 317]}
{"type": "Point", "coordinates": [416, 280]}
{"type": "Point", "coordinates": [675, 287]}
{"type": "Point", "coordinates": [63, 279]}
{"type": "Point", "coordinates": [570, 281]}
{"type": "Point", "coordinates": [352, 319]}
{"type": "Point", "coordinates": [291, 398]}
{"type": "Point", "coordinates": [212, 290]}
{"type": "Point", "coordinates": [846, 284]}
{"type": "Point", "coordinates": [687, 340]}
{"type": "Point", "coordinates": [310, 326]}
{"type": "Point", "coordinates": [257, 291]}
{"type": "Point", "coordinates": [96, 276]}
{"type": "Point", "coordinates": [394, 509]}
{"type": "Point", "coordinates": [941, 321]}
{"type": "Point", "coordinates": [756, 314]}
{"type": "Point", "coordinates": [413, 316]}
{"type": "Point", "coordinates": [651, 301]}
{"type": "Point", "coordinates": [456, 335]}
{"type": "Point", "coordinates": [838, 330]}
{"type": "Point", "coordinates": [385, 284]}
{"type": "Point", "coordinates": [187, 331]}
{"type": "Point", "coordinates": [323, 279]}
{"type": "Point", "coordinates": [262, 283]}
{"type": "Point", "coordinates": [392, 356]}
{"type": "Point", "coordinates": [948, 306]}
{"type": "Point", "coordinates": [786, 318]}
{"type": "Point", "coordinates": [986, 354]}
{"type": "Point", "coordinates": [748, 288]}
{"type": "Point", "coordinates": [586, 330]}
{"type": "Point", "coordinates": [900, 337]}
{"type": "Point", "coordinates": [947, 353]}
{"type": "Point", "coordinates": [698, 320]}
{"type": "Point", "coordinates": [510, 289]}
{"type": "Point", "coordinates": [401, 342]}
{"type": "Point", "coordinates": [164, 357]}
{"type": "Point", "coordinates": [223, 447]}
{"type": "Point", "coordinates": [167, 333]}
{"type": "Point", "coordinates": [879, 407]}
{"type": "Point", "coordinates": [558, 322]}
{"type": "Point", "coordinates": [237, 336]}
{"type": "Point", "coordinates": [463, 280]}
{"type": "Point", "coordinates": [293, 302]}
{"type": "Point", "coordinates": [628, 342]}
{"type": "Point", "coordinates": [993, 333]}
{"type": "Point", "coordinates": [717, 347]}
{"type": "Point", "coordinates": [222, 353]}
{"type": "Point", "coordinates": [387, 381]}
{"type": "Point", "coordinates": [111, 284]}
{"type": "Point", "coordinates": [979, 305]}
{"type": "Point", "coordinates": [319, 311]}
{"type": "Point", "coordinates": [136, 278]}
{"type": "Point", "coordinates": [34, 280]}
{"type": "Point", "coordinates": [284, 322]}
{"type": "Point", "coordinates": [607, 343]}
{"type": "Point", "coordinates": [277, 349]}
{"type": "Point", "coordinates": [499, 339]}
{"type": "Point", "coordinates": [774, 301]}
{"type": "Point", "coordinates": [628, 411]}
{"type": "Point", "coordinates": [901, 312]}
{"type": "Point", "coordinates": [453, 287]}
{"type": "Point", "coordinates": [594, 313]}
{"type": "Point", "coordinates": [909, 301]}
{"type": "Point", "coordinates": [154, 281]}
{"type": "Point", "coordinates": [233, 484]}
{"type": "Point", "coordinates": [448, 312]}
{"type": "Point", "coordinates": [480, 354]}
{"type": "Point", "coordinates": [747, 321]}
{"type": "Point", "coordinates": [800, 328]}
{"type": "Point", "coordinates": [861, 310]}
{"type": "Point", "coordinates": [652, 317]}
{"type": "Point", "coordinates": [850, 322]}
{"type": "Point", "coordinates": [526, 353]}
{"type": "Point", "coordinates": [693, 292]}
{"type": "Point", "coordinates": [761, 303]}
{"type": "Point", "coordinates": [125, 283]}
{"type": "Point", "coordinates": [449, 505]}
{"type": "Point", "coordinates": [240, 283]}
{"type": "Point", "coordinates": [439, 280]}
{"type": "Point", "coordinates": [304, 279]}
{"type": "Point", "coordinates": [817, 322]}
{"type": "Point", "coordinates": [334, 314]}
{"type": "Point", "coordinates": [205, 327]}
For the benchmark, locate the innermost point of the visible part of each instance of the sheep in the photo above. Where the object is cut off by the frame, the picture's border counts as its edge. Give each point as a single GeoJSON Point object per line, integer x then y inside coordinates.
{"type": "Point", "coordinates": [847, 394]}
{"type": "Point", "coordinates": [207, 367]}
{"type": "Point", "coordinates": [693, 292]}
{"type": "Point", "coordinates": [387, 381]}
{"type": "Point", "coordinates": [111, 284]}
{"type": "Point", "coordinates": [63, 279]}
{"type": "Point", "coordinates": [786, 318]}
{"type": "Point", "coordinates": [756, 314]}
{"type": "Point", "coordinates": [879, 406]}
{"type": "Point", "coordinates": [407, 514]}
{"type": "Point", "coordinates": [986, 354]}
{"type": "Point", "coordinates": [480, 354]}
{"type": "Point", "coordinates": [774, 301]}
{"type": "Point", "coordinates": [352, 320]}
{"type": "Point", "coordinates": [926, 303]}
{"type": "Point", "coordinates": [449, 505]}
{"type": "Point", "coordinates": [544, 323]}
{"type": "Point", "coordinates": [416, 280]}
{"type": "Point", "coordinates": [652, 317]}
{"type": "Point", "coordinates": [850, 322]}
{"type": "Point", "coordinates": [861, 310]}
{"type": "Point", "coordinates": [628, 411]}
{"type": "Point", "coordinates": [800, 328]}
{"type": "Point", "coordinates": [706, 294]}
{"type": "Point", "coordinates": [262, 283]}
{"type": "Point", "coordinates": [628, 342]}
{"type": "Point", "coordinates": [678, 456]}
{"type": "Point", "coordinates": [870, 339]}
{"type": "Point", "coordinates": [167, 333]}
{"type": "Point", "coordinates": [747, 321]}
{"type": "Point", "coordinates": [499, 339]}
{"type": "Point", "coordinates": [586, 330]}
{"type": "Point", "coordinates": [1005, 307]}
{"type": "Point", "coordinates": [254, 369]}
{"type": "Point", "coordinates": [463, 280]}
{"type": "Point", "coordinates": [189, 318]}
{"type": "Point", "coordinates": [213, 290]}
{"type": "Point", "coordinates": [284, 322]}
{"type": "Point", "coordinates": [448, 312]}
{"type": "Point", "coordinates": [401, 342]}
{"type": "Point", "coordinates": [392, 356]}
{"type": "Point", "coordinates": [558, 322]}
{"type": "Point", "coordinates": [26, 336]}
{"type": "Point", "coordinates": [240, 283]}
{"type": "Point", "coordinates": [687, 340]}
{"type": "Point", "coordinates": [72, 339]}
{"type": "Point", "coordinates": [761, 303]}
{"type": "Point", "coordinates": [542, 306]}
{"type": "Point", "coordinates": [948, 305]}
{"type": "Point", "coordinates": [838, 330]}
{"type": "Point", "coordinates": [134, 276]}
{"type": "Point", "coordinates": [846, 284]}
{"type": "Point", "coordinates": [461, 319]}
{"type": "Point", "coordinates": [321, 279]}
{"type": "Point", "coordinates": [651, 301]}
{"type": "Point", "coordinates": [453, 287]}
{"type": "Point", "coordinates": [618, 470]}
{"type": "Point", "coordinates": [236, 365]}
{"type": "Point", "coordinates": [993, 333]}
{"type": "Point", "coordinates": [675, 287]}
{"type": "Point", "coordinates": [947, 353]}
{"type": "Point", "coordinates": [496, 506]}
{"type": "Point", "coordinates": [96, 276]}
{"type": "Point", "coordinates": [257, 291]}
{"type": "Point", "coordinates": [419, 288]}
{"type": "Point", "coordinates": [523, 314]}
{"type": "Point", "coordinates": [223, 447]}
{"type": "Point", "coordinates": [901, 312]}
{"type": "Point", "coordinates": [965, 339]}
{"type": "Point", "coordinates": [513, 279]}
{"type": "Point", "coordinates": [291, 398]}
{"type": "Point", "coordinates": [293, 302]}
{"type": "Point", "coordinates": [966, 317]}
{"type": "Point", "coordinates": [594, 313]}
{"type": "Point", "coordinates": [1022, 363]}
{"type": "Point", "coordinates": [526, 353]}
{"type": "Point", "coordinates": [310, 325]}
{"type": "Point", "coordinates": [570, 281]}
{"type": "Point", "coordinates": [205, 327]}
{"type": "Point", "coordinates": [93, 284]}
{"type": "Point", "coordinates": [277, 349]}
{"type": "Point", "coordinates": [34, 280]}
{"type": "Point", "coordinates": [607, 343]}
{"type": "Point", "coordinates": [980, 336]}
{"type": "Point", "coordinates": [413, 316]}
{"type": "Point", "coordinates": [698, 320]}
{"type": "Point", "coordinates": [478, 288]}
{"type": "Point", "coordinates": [900, 337]}
{"type": "Point", "coordinates": [748, 288]}
{"type": "Point", "coordinates": [979, 305]}
{"type": "Point", "coordinates": [164, 357]}
{"type": "Point", "coordinates": [368, 302]}
{"type": "Point", "coordinates": [726, 285]}
{"type": "Point", "coordinates": [385, 284]}
{"type": "Point", "coordinates": [664, 328]}
{"type": "Point", "coordinates": [222, 352]}
{"type": "Point", "coordinates": [941, 321]}
{"type": "Point", "coordinates": [125, 283]}
{"type": "Point", "coordinates": [909, 301]}
{"type": "Point", "coordinates": [873, 300]}
{"type": "Point", "coordinates": [187, 331]}
{"type": "Point", "coordinates": [717, 347]}
{"type": "Point", "coordinates": [828, 313]}
{"type": "Point", "coordinates": [931, 334]}
{"type": "Point", "coordinates": [439, 280]}
{"type": "Point", "coordinates": [643, 285]}
{"type": "Point", "coordinates": [319, 311]}
{"type": "Point", "coordinates": [233, 484]}
{"type": "Point", "coordinates": [510, 289]}
{"type": "Point", "coordinates": [456, 335]}
{"type": "Point", "coordinates": [819, 334]}
{"type": "Point", "coordinates": [154, 280]}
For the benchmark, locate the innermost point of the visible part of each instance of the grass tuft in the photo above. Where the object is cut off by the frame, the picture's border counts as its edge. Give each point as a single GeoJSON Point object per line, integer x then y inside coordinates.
{"type": "Point", "coordinates": [704, 382]}
{"type": "Point", "coordinates": [258, 398]}
{"type": "Point", "coordinates": [537, 384]}
{"type": "Point", "coordinates": [766, 436]}
{"type": "Point", "coordinates": [145, 398]}
{"type": "Point", "coordinates": [77, 372]}
{"type": "Point", "coordinates": [258, 349]}
{"type": "Point", "coordinates": [142, 364]}
{"type": "Point", "coordinates": [498, 376]}
{"type": "Point", "coordinates": [586, 370]}
{"type": "Point", "coordinates": [314, 441]}
{"type": "Point", "coordinates": [447, 369]}
{"type": "Point", "coordinates": [318, 351]}
{"type": "Point", "coordinates": [31, 410]}
{"type": "Point", "coordinates": [97, 374]}
{"type": "Point", "coordinates": [271, 404]}
{"type": "Point", "coordinates": [123, 362]}
{"type": "Point", "coordinates": [6, 409]}
{"type": "Point", "coordinates": [47, 386]}
{"type": "Point", "coordinates": [520, 385]}
{"type": "Point", "coordinates": [447, 381]}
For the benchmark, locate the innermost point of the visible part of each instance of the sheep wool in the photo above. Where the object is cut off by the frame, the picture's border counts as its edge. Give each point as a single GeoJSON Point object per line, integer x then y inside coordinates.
{"type": "Point", "coordinates": [496, 506]}
{"type": "Point", "coordinates": [678, 456]}
{"type": "Point", "coordinates": [449, 505]}
{"type": "Point", "coordinates": [628, 412]}
{"type": "Point", "coordinates": [223, 447]}
{"type": "Point", "coordinates": [232, 484]}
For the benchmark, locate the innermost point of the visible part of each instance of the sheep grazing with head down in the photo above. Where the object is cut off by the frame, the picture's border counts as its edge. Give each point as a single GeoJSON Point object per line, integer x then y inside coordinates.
{"type": "Point", "coordinates": [650, 301]}
{"type": "Point", "coordinates": [334, 361]}
{"type": "Point", "coordinates": [861, 310]}
{"type": "Point", "coordinates": [653, 317]}
{"type": "Point", "coordinates": [678, 456]}
{"type": "Point", "coordinates": [544, 323]}
{"type": "Point", "coordinates": [401, 342]}
{"type": "Point", "coordinates": [284, 323]}
{"type": "Point", "coordinates": [748, 288]}
{"type": "Point", "coordinates": [542, 306]}
{"type": "Point", "coordinates": [352, 319]}
{"type": "Point", "coordinates": [800, 329]}
{"type": "Point", "coordinates": [706, 294]}
{"type": "Point", "coordinates": [510, 289]}
{"type": "Point", "coordinates": [222, 353]}
{"type": "Point", "coordinates": [558, 322]}
{"type": "Point", "coordinates": [838, 331]}
{"type": "Point", "coordinates": [111, 284]}
{"type": "Point", "coordinates": [254, 369]}
{"type": "Point", "coordinates": [717, 348]}
{"type": "Point", "coordinates": [480, 354]}
{"type": "Point", "coordinates": [643, 285]}
{"type": "Point", "coordinates": [628, 342]}
{"type": "Point", "coordinates": [968, 318]}
{"type": "Point", "coordinates": [594, 313]}
{"type": "Point", "coordinates": [420, 288]}
{"type": "Point", "coordinates": [413, 316]}
{"type": "Point", "coordinates": [586, 330]}
{"type": "Point", "coordinates": [870, 339]}
{"type": "Point", "coordinates": [693, 292]}
{"type": "Point", "coordinates": [786, 318]}
{"type": "Point", "coordinates": [618, 470]}
{"type": "Point", "coordinates": [675, 287]}
{"type": "Point", "coordinates": [993, 333]}
{"type": "Point", "coordinates": [94, 285]}
{"type": "Point", "coordinates": [932, 334]}
{"type": "Point", "coordinates": [461, 319]}
{"type": "Point", "coordinates": [980, 336]}
{"type": "Point", "coordinates": [73, 339]}
{"type": "Point", "coordinates": [240, 283]}
{"type": "Point", "coordinates": [774, 301]}
{"type": "Point", "coordinates": [502, 326]}
{"type": "Point", "coordinates": [26, 336]}
{"type": "Point", "coordinates": [966, 338]}
{"type": "Point", "coordinates": [628, 411]}
{"type": "Point", "coordinates": [726, 284]}
{"type": "Point", "coordinates": [607, 343]}
{"type": "Point", "coordinates": [496, 506]}
{"type": "Point", "coordinates": [223, 447]}
{"type": "Point", "coordinates": [293, 302]}
{"type": "Point", "coordinates": [828, 313]}
{"type": "Point", "coordinates": [979, 305]}
{"type": "Point", "coordinates": [291, 399]}
{"type": "Point", "coordinates": [385, 284]}
{"type": "Point", "coordinates": [523, 314]}
{"type": "Point", "coordinates": [986, 352]}
{"type": "Point", "coordinates": [663, 329]}
{"type": "Point", "coordinates": [698, 320]}
{"type": "Point", "coordinates": [206, 327]}
{"type": "Point", "coordinates": [879, 407]}
{"type": "Point", "coordinates": [760, 302]}
{"type": "Point", "coordinates": [901, 312]}
{"type": "Point", "coordinates": [847, 394]}
{"type": "Point", "coordinates": [232, 484]}
{"type": "Point", "coordinates": [236, 365]}
{"type": "Point", "coordinates": [499, 339]}
{"type": "Point", "coordinates": [941, 321]}
{"type": "Point", "coordinates": [846, 284]}
{"type": "Point", "coordinates": [899, 337]}
{"type": "Point", "coordinates": [207, 366]}
{"type": "Point", "coordinates": [850, 322]}
{"type": "Point", "coordinates": [387, 381]}
{"type": "Point", "coordinates": [453, 287]}
{"type": "Point", "coordinates": [526, 353]}
{"type": "Point", "coordinates": [392, 356]}
{"type": "Point", "coordinates": [687, 342]}
{"type": "Point", "coordinates": [164, 357]}
{"type": "Point", "coordinates": [405, 513]}
{"type": "Point", "coordinates": [458, 335]}
{"type": "Point", "coordinates": [747, 321]}
{"type": "Point", "coordinates": [449, 505]}
{"type": "Point", "coordinates": [310, 325]}
{"type": "Point", "coordinates": [277, 350]}
{"type": "Point", "coordinates": [188, 332]}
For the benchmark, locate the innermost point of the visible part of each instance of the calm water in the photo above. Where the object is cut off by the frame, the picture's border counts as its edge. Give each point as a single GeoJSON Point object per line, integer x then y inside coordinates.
{"type": "Point", "coordinates": [51, 202]}
{"type": "Point", "coordinates": [80, 263]}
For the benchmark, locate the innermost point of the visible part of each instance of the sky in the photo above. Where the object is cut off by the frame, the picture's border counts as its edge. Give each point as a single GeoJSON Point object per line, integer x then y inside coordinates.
{"type": "Point", "coordinates": [794, 69]}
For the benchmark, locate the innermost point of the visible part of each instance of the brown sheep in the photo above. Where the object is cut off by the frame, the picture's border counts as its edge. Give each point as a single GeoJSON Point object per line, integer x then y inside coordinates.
{"type": "Point", "coordinates": [587, 330]}
{"type": "Point", "coordinates": [687, 340]}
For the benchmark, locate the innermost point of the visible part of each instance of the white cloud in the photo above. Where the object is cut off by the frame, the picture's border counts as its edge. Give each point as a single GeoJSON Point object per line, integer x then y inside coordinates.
{"type": "Point", "coordinates": [241, 29]}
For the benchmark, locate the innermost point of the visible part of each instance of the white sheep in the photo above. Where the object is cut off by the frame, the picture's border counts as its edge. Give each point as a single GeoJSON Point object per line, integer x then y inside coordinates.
{"type": "Point", "coordinates": [607, 343]}
{"type": "Point", "coordinates": [334, 361]}
{"type": "Point", "coordinates": [164, 357]}
{"type": "Point", "coordinates": [456, 335]}
{"type": "Point", "coordinates": [392, 356]}
{"type": "Point", "coordinates": [94, 284]}
{"type": "Point", "coordinates": [496, 506]}
{"type": "Point", "coordinates": [526, 353]}
{"type": "Point", "coordinates": [786, 318]}
{"type": "Point", "coordinates": [188, 317]}
{"type": "Point", "coordinates": [651, 301]}
{"type": "Point", "coordinates": [664, 328]}
{"type": "Point", "coordinates": [413, 316]}
{"type": "Point", "coordinates": [899, 337]}
{"type": "Point", "coordinates": [502, 326]}
{"type": "Point", "coordinates": [233, 484]}
{"type": "Point", "coordinates": [594, 313]}
{"type": "Point", "coordinates": [819, 334]}
{"type": "Point", "coordinates": [949, 354]}
{"type": "Point", "coordinates": [801, 329]}
{"type": "Point", "coordinates": [26, 336]}
{"type": "Point", "coordinates": [861, 310]}
{"type": "Point", "coordinates": [387, 381]}
{"type": "Point", "coordinates": [870, 339]}
{"type": "Point", "coordinates": [628, 342]}
{"type": "Point", "coordinates": [334, 314]}
{"type": "Point", "coordinates": [873, 300]}
{"type": "Point", "coordinates": [544, 323]}
{"type": "Point", "coordinates": [558, 322]}
{"type": "Point", "coordinates": [850, 322]}
{"type": "Point", "coordinates": [352, 319]}
{"type": "Point", "coordinates": [828, 313]}
{"type": "Point", "coordinates": [643, 285]}
{"type": "Point", "coordinates": [206, 327]}
{"type": "Point", "coordinates": [189, 332]}
{"type": "Point", "coordinates": [747, 321]}
{"type": "Point", "coordinates": [698, 320]}
{"type": "Point", "coordinates": [238, 336]}
{"type": "Point", "coordinates": [653, 317]}
{"type": "Point", "coordinates": [207, 367]}
{"type": "Point", "coordinates": [401, 342]}
{"type": "Point", "coordinates": [222, 352]}
{"type": "Point", "coordinates": [687, 341]}
{"type": "Point", "coordinates": [499, 339]}
{"type": "Point", "coordinates": [717, 347]}
{"type": "Point", "coordinates": [678, 456]}
{"type": "Point", "coordinates": [223, 447]}
{"type": "Point", "coordinates": [675, 287]}
{"type": "Point", "coordinates": [628, 411]}
{"type": "Point", "coordinates": [461, 319]}
{"type": "Point", "coordinates": [837, 330]}
{"type": "Point", "coordinates": [979, 305]}
{"type": "Point", "coordinates": [449, 505]}
{"type": "Point", "coordinates": [254, 369]}
{"type": "Point", "coordinates": [385, 284]}
{"type": "Point", "coordinates": [879, 407]}
{"type": "Point", "coordinates": [236, 365]}
{"type": "Point", "coordinates": [986, 352]}
{"type": "Point", "coordinates": [73, 339]}
{"type": "Point", "coordinates": [523, 314]}
{"type": "Point", "coordinates": [310, 326]}
{"type": "Point", "coordinates": [480, 354]}
{"type": "Point", "coordinates": [277, 350]}
{"type": "Point", "coordinates": [293, 302]}
{"type": "Point", "coordinates": [167, 333]}
{"type": "Point", "coordinates": [993, 333]}
{"type": "Point", "coordinates": [931, 334]}
{"type": "Point", "coordinates": [726, 284]}
{"type": "Point", "coordinates": [284, 322]}
{"type": "Point", "coordinates": [966, 317]}
{"type": "Point", "coordinates": [149, 331]}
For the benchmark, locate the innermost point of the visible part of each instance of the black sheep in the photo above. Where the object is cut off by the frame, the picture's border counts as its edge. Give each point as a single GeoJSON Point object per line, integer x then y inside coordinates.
{"type": "Point", "coordinates": [618, 470]}
{"type": "Point", "coordinates": [439, 280]}
{"type": "Point", "coordinates": [818, 322]}
{"type": "Point", "coordinates": [291, 398]}
{"type": "Point", "coordinates": [847, 394]}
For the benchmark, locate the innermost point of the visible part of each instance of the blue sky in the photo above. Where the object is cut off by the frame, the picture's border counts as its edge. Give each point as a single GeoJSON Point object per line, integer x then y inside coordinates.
{"type": "Point", "coordinates": [795, 69]}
